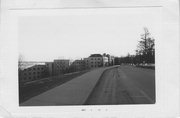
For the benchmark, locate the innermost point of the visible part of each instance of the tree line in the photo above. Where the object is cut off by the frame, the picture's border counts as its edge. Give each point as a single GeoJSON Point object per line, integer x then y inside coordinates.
{"type": "Point", "coordinates": [145, 52]}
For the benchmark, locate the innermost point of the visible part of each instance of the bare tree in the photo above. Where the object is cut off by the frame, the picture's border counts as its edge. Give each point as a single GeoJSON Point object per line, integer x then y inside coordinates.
{"type": "Point", "coordinates": [20, 62]}
{"type": "Point", "coordinates": [146, 47]}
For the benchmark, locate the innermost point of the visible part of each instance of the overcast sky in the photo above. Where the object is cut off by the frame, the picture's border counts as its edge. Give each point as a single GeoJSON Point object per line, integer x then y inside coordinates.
{"type": "Point", "coordinates": [75, 36]}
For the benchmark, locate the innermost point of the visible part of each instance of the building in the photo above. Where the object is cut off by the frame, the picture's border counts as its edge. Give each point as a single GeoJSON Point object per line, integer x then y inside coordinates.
{"type": "Point", "coordinates": [105, 61]}
{"type": "Point", "coordinates": [86, 63]}
{"type": "Point", "coordinates": [60, 66]}
{"type": "Point", "coordinates": [49, 66]}
{"type": "Point", "coordinates": [31, 73]}
{"type": "Point", "coordinates": [78, 65]}
{"type": "Point", "coordinates": [95, 61]}
{"type": "Point", "coordinates": [111, 60]}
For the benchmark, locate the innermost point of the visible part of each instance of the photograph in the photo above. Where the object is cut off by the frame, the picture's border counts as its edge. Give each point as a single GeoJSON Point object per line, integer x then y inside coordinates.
{"type": "Point", "coordinates": [93, 57]}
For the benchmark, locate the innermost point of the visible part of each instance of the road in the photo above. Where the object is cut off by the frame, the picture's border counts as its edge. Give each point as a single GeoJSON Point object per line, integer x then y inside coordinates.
{"type": "Point", "coordinates": [124, 85]}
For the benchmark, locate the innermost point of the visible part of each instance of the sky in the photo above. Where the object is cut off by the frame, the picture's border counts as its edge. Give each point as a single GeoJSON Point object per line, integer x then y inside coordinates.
{"type": "Point", "coordinates": [77, 35]}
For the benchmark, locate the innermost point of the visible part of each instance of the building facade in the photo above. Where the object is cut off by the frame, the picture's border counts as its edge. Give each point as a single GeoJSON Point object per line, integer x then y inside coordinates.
{"type": "Point", "coordinates": [78, 65]}
{"type": "Point", "coordinates": [33, 73]}
{"type": "Point", "coordinates": [95, 61]}
{"type": "Point", "coordinates": [105, 61]}
{"type": "Point", "coordinates": [86, 63]}
{"type": "Point", "coordinates": [111, 60]}
{"type": "Point", "coordinates": [49, 66]}
{"type": "Point", "coordinates": [60, 66]}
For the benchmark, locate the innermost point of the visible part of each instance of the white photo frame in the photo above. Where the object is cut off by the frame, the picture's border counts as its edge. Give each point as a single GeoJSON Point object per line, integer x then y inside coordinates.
{"type": "Point", "coordinates": [167, 71]}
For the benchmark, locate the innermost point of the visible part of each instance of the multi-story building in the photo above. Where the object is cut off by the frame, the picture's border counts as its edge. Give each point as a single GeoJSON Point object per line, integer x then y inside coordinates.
{"type": "Point", "coordinates": [31, 73]}
{"type": "Point", "coordinates": [60, 66]}
{"type": "Point", "coordinates": [86, 63]}
{"type": "Point", "coordinates": [111, 60]}
{"type": "Point", "coordinates": [95, 60]}
{"type": "Point", "coordinates": [49, 66]}
{"type": "Point", "coordinates": [105, 61]}
{"type": "Point", "coordinates": [78, 65]}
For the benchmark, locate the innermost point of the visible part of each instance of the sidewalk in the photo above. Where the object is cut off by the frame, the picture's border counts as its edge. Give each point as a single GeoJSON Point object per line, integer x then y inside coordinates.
{"type": "Point", "coordinates": [74, 92]}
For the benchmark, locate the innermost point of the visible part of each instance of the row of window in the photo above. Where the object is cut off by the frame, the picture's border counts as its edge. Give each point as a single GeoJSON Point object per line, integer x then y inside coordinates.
{"type": "Point", "coordinates": [62, 65]}
{"type": "Point", "coordinates": [79, 62]}
{"type": "Point", "coordinates": [29, 69]}
{"type": "Point", "coordinates": [95, 58]}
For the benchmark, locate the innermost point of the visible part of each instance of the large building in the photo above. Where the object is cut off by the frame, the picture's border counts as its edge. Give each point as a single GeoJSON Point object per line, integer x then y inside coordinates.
{"type": "Point", "coordinates": [34, 72]}
{"type": "Point", "coordinates": [60, 66]}
{"type": "Point", "coordinates": [78, 65]}
{"type": "Point", "coordinates": [49, 66]}
{"type": "Point", "coordinates": [95, 61]}
{"type": "Point", "coordinates": [110, 59]}
{"type": "Point", "coordinates": [86, 63]}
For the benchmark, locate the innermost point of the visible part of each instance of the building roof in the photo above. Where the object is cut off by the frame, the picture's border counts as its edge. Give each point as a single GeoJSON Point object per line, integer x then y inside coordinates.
{"type": "Point", "coordinates": [31, 66]}
{"type": "Point", "coordinates": [26, 65]}
{"type": "Point", "coordinates": [95, 55]}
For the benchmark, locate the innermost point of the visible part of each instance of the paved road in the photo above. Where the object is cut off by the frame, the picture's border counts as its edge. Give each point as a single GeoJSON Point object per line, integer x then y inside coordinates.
{"type": "Point", "coordinates": [124, 85]}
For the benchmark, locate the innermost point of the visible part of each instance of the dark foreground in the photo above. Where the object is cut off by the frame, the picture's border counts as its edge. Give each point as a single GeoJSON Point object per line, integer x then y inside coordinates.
{"type": "Point", "coordinates": [124, 85]}
{"type": "Point", "coordinates": [33, 89]}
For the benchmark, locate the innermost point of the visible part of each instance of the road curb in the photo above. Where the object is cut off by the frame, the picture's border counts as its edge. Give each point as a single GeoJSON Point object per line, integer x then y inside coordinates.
{"type": "Point", "coordinates": [97, 83]}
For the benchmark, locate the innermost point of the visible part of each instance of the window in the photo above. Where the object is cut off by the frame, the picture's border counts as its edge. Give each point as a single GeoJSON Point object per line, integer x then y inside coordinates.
{"type": "Point", "coordinates": [29, 77]}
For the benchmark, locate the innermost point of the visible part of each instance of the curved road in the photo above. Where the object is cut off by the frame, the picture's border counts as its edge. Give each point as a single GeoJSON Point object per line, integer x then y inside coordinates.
{"type": "Point", "coordinates": [124, 85]}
